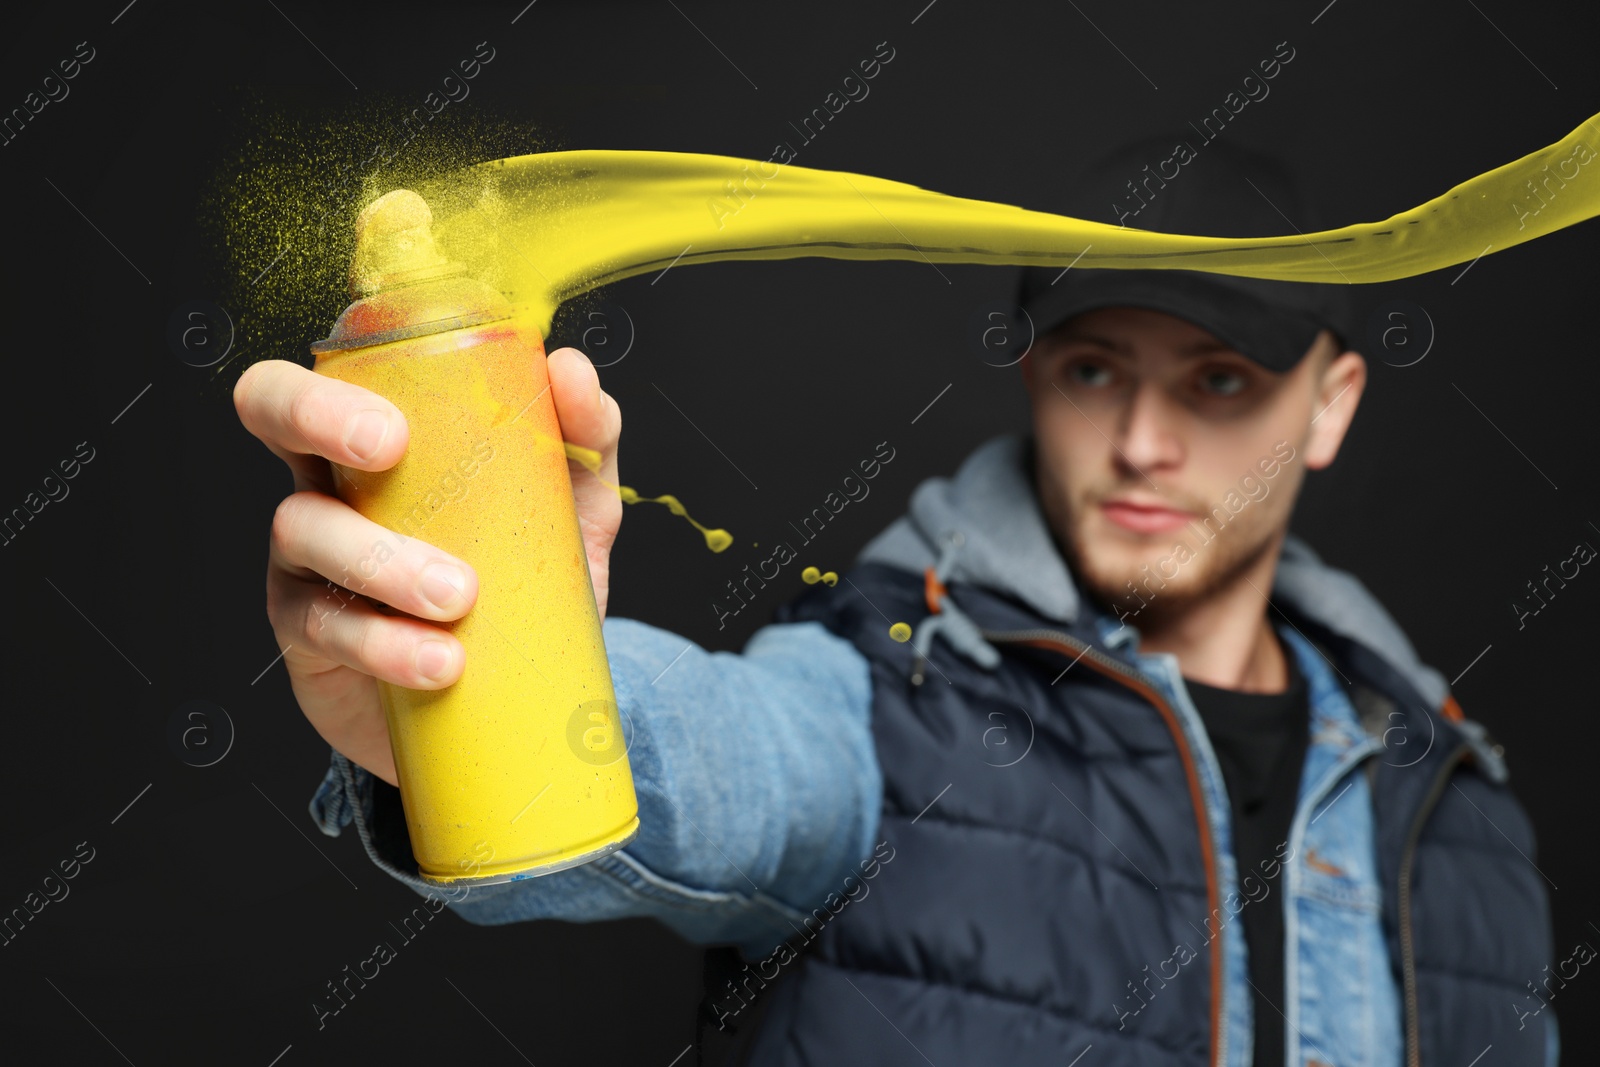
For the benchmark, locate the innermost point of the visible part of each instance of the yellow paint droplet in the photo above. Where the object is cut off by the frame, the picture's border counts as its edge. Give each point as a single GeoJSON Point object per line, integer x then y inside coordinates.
{"type": "Point", "coordinates": [811, 576]}
{"type": "Point", "coordinates": [900, 632]}
{"type": "Point", "coordinates": [830, 579]}
{"type": "Point", "coordinates": [716, 540]}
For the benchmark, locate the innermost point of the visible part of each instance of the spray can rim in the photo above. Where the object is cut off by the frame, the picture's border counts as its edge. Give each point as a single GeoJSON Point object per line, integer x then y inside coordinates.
{"type": "Point", "coordinates": [416, 329]}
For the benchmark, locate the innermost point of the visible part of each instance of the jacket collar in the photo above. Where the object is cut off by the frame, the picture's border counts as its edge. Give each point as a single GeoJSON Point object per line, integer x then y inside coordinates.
{"type": "Point", "coordinates": [1006, 547]}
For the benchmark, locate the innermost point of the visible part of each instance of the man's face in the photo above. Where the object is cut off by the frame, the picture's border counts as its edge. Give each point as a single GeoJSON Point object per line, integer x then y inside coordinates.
{"type": "Point", "coordinates": [1163, 452]}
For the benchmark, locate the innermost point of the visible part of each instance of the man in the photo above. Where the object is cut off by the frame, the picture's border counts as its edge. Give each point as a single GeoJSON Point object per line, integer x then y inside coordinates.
{"type": "Point", "coordinates": [1149, 779]}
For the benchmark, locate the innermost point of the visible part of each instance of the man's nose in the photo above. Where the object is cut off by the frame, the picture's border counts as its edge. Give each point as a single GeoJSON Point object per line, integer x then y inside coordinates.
{"type": "Point", "coordinates": [1147, 437]}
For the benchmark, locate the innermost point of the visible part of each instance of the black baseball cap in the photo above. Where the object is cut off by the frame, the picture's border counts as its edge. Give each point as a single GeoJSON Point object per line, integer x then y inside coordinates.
{"type": "Point", "coordinates": [1221, 190]}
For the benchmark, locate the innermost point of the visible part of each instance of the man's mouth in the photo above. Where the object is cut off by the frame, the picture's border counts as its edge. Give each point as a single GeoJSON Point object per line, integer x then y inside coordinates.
{"type": "Point", "coordinates": [1142, 517]}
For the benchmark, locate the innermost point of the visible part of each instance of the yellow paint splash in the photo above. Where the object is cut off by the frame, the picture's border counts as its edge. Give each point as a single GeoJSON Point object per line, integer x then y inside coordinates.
{"type": "Point", "coordinates": [900, 632]}
{"type": "Point", "coordinates": [290, 173]}
{"type": "Point", "coordinates": [811, 576]}
{"type": "Point", "coordinates": [546, 228]}
{"type": "Point", "coordinates": [716, 540]}
{"type": "Point", "coordinates": [549, 227]}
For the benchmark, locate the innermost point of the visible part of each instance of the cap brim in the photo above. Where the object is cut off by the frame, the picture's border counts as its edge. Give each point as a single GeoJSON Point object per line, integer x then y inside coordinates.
{"type": "Point", "coordinates": [1249, 315]}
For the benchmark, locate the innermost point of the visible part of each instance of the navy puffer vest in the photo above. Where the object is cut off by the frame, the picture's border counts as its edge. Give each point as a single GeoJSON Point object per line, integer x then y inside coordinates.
{"type": "Point", "coordinates": [1006, 926]}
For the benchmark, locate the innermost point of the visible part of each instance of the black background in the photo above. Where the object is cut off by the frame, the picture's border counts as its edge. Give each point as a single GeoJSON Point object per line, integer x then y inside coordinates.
{"type": "Point", "coordinates": [213, 912]}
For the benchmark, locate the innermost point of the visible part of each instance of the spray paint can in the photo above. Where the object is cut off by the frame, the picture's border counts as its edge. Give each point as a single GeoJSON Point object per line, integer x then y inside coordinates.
{"type": "Point", "coordinates": [520, 768]}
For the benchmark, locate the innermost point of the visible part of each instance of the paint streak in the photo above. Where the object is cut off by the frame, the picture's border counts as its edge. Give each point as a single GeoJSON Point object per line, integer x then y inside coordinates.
{"type": "Point", "coordinates": [548, 227]}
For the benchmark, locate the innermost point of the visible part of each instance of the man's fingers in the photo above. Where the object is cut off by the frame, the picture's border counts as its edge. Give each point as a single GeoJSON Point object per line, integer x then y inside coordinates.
{"type": "Point", "coordinates": [317, 537]}
{"type": "Point", "coordinates": [343, 628]}
{"type": "Point", "coordinates": [588, 415]}
{"type": "Point", "coordinates": [297, 412]}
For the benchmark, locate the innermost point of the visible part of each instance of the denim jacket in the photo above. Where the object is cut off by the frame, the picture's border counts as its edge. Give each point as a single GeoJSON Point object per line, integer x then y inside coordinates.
{"type": "Point", "coordinates": [759, 787]}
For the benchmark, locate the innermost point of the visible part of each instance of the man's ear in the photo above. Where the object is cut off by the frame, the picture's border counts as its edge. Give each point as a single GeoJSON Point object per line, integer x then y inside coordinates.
{"type": "Point", "coordinates": [1338, 392]}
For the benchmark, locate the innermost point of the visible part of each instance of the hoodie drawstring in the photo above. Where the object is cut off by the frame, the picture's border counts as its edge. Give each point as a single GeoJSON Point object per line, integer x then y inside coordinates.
{"type": "Point", "coordinates": [947, 618]}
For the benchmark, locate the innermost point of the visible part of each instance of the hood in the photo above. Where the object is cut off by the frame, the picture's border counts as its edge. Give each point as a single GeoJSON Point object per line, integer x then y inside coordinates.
{"type": "Point", "coordinates": [984, 527]}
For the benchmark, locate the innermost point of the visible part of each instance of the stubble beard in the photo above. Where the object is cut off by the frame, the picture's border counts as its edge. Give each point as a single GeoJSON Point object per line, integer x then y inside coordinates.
{"type": "Point", "coordinates": [1212, 565]}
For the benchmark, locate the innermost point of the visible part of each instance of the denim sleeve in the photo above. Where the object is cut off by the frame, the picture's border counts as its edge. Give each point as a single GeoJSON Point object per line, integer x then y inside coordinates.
{"type": "Point", "coordinates": [758, 785]}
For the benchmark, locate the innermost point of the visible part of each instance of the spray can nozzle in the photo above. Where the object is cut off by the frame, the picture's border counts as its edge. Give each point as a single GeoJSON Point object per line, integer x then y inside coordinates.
{"type": "Point", "coordinates": [395, 246]}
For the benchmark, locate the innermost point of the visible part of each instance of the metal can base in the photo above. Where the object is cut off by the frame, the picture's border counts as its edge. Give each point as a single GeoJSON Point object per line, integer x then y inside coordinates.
{"type": "Point", "coordinates": [518, 872]}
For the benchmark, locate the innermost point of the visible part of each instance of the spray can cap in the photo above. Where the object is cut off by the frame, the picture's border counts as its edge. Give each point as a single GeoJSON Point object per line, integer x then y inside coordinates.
{"type": "Point", "coordinates": [402, 284]}
{"type": "Point", "coordinates": [394, 245]}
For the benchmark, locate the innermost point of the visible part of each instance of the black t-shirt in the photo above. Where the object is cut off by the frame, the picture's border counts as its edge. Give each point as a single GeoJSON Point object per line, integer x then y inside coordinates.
{"type": "Point", "coordinates": [1260, 740]}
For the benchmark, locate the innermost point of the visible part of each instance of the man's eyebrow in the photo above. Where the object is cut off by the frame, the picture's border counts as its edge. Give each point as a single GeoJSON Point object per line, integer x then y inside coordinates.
{"type": "Point", "coordinates": [1082, 337]}
{"type": "Point", "coordinates": [1203, 346]}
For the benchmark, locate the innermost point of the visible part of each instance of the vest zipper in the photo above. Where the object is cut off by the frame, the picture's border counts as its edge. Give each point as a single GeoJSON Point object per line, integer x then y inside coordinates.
{"type": "Point", "coordinates": [1147, 687]}
{"type": "Point", "coordinates": [1407, 952]}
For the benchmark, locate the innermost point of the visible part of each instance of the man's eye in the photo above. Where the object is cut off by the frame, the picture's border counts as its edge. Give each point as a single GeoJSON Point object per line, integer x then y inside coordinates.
{"type": "Point", "coordinates": [1092, 374]}
{"type": "Point", "coordinates": [1221, 382]}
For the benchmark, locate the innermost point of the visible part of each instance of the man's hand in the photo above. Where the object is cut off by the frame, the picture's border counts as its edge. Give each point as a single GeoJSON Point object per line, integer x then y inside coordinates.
{"type": "Point", "coordinates": [338, 644]}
